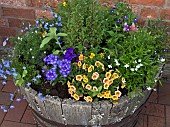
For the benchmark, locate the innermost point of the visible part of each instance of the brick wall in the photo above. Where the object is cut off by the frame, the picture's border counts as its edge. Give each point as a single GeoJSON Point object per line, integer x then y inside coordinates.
{"type": "Point", "coordinates": [14, 12]}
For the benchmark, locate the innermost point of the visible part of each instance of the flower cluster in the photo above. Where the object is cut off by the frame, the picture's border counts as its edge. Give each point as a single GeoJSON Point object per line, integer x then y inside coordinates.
{"type": "Point", "coordinates": [63, 65]}
{"type": "Point", "coordinates": [94, 80]}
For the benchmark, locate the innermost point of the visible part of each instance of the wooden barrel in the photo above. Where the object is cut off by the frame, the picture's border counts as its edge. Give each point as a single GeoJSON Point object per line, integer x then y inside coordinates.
{"type": "Point", "coordinates": [56, 112]}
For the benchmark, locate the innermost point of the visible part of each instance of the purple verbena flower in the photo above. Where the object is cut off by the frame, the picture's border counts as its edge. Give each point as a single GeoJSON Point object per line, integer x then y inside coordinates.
{"type": "Point", "coordinates": [51, 74]}
{"type": "Point", "coordinates": [51, 59]}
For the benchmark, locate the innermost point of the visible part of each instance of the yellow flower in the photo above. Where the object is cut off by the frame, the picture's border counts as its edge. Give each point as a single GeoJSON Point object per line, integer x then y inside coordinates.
{"type": "Point", "coordinates": [106, 85]}
{"type": "Point", "coordinates": [73, 88]}
{"type": "Point", "coordinates": [123, 86]}
{"type": "Point", "coordinates": [88, 87]}
{"type": "Point", "coordinates": [88, 99]}
{"type": "Point", "coordinates": [115, 76]}
{"type": "Point", "coordinates": [118, 93]}
{"type": "Point", "coordinates": [91, 68]}
{"type": "Point", "coordinates": [84, 66]}
{"type": "Point", "coordinates": [79, 77]}
{"type": "Point", "coordinates": [105, 80]}
{"type": "Point", "coordinates": [108, 74]}
{"type": "Point", "coordinates": [68, 83]}
{"type": "Point", "coordinates": [76, 97]}
{"type": "Point", "coordinates": [98, 63]}
{"type": "Point", "coordinates": [101, 54]}
{"type": "Point", "coordinates": [83, 85]}
{"type": "Point", "coordinates": [110, 82]}
{"type": "Point", "coordinates": [64, 4]}
{"type": "Point", "coordinates": [70, 91]}
{"type": "Point", "coordinates": [99, 95]}
{"type": "Point", "coordinates": [115, 97]}
{"type": "Point", "coordinates": [95, 76]}
{"type": "Point", "coordinates": [44, 33]}
{"type": "Point", "coordinates": [92, 55]}
{"type": "Point", "coordinates": [79, 63]}
{"type": "Point", "coordinates": [81, 56]}
{"type": "Point", "coordinates": [107, 94]}
{"type": "Point", "coordinates": [115, 102]}
{"type": "Point", "coordinates": [95, 88]}
{"type": "Point", "coordinates": [72, 80]}
{"type": "Point", "coordinates": [123, 80]}
{"type": "Point", "coordinates": [85, 78]}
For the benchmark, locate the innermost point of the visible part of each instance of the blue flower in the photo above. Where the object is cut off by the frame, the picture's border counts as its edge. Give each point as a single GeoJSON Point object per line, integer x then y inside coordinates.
{"type": "Point", "coordinates": [4, 82]}
{"type": "Point", "coordinates": [28, 84]}
{"type": "Point", "coordinates": [18, 99]}
{"type": "Point", "coordinates": [59, 18]}
{"type": "Point", "coordinates": [51, 74]}
{"type": "Point", "coordinates": [34, 79]}
{"type": "Point", "coordinates": [51, 59]}
{"type": "Point", "coordinates": [41, 96]}
{"type": "Point", "coordinates": [12, 107]}
{"type": "Point", "coordinates": [135, 20]}
{"type": "Point", "coordinates": [38, 76]}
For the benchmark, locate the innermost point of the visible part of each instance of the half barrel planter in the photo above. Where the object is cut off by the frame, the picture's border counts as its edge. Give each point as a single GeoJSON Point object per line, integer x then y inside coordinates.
{"type": "Point", "coordinates": [57, 112]}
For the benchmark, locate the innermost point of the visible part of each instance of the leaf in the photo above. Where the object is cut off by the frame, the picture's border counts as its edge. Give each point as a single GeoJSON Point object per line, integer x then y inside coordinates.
{"type": "Point", "coordinates": [53, 30]}
{"type": "Point", "coordinates": [99, 88]}
{"type": "Point", "coordinates": [45, 41]}
{"type": "Point", "coordinates": [62, 34]}
{"type": "Point", "coordinates": [19, 82]}
{"type": "Point", "coordinates": [18, 76]}
{"type": "Point", "coordinates": [56, 52]}
{"type": "Point", "coordinates": [24, 73]}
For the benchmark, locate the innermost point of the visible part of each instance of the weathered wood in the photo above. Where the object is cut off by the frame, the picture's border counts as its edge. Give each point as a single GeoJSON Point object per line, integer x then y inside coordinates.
{"type": "Point", "coordinates": [76, 112]}
{"type": "Point", "coordinates": [53, 108]}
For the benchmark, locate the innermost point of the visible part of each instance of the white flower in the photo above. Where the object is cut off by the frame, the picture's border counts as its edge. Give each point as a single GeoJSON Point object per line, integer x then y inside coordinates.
{"type": "Point", "coordinates": [155, 81]}
{"type": "Point", "coordinates": [126, 65]}
{"type": "Point", "coordinates": [32, 57]}
{"type": "Point", "coordinates": [136, 69]}
{"type": "Point", "coordinates": [162, 60]}
{"type": "Point", "coordinates": [108, 57]}
{"type": "Point", "coordinates": [135, 61]}
{"type": "Point", "coordinates": [139, 60]}
{"type": "Point", "coordinates": [141, 64]}
{"type": "Point", "coordinates": [117, 63]}
{"type": "Point", "coordinates": [30, 49]}
{"type": "Point", "coordinates": [149, 88]}
{"type": "Point", "coordinates": [132, 69]}
{"type": "Point", "coordinates": [138, 66]}
{"type": "Point", "coordinates": [109, 66]}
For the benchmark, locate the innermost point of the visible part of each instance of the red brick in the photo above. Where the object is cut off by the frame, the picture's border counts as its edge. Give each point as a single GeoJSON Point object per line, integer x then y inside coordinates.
{"type": "Point", "coordinates": [20, 3]}
{"type": "Point", "coordinates": [15, 124]}
{"type": "Point", "coordinates": [2, 115]}
{"type": "Point", "coordinates": [3, 22]}
{"type": "Point", "coordinates": [35, 3]}
{"type": "Point", "coordinates": [41, 13]}
{"type": "Point", "coordinates": [17, 113]}
{"type": "Point", "coordinates": [164, 94]}
{"type": "Point", "coordinates": [6, 32]}
{"type": "Point", "coordinates": [150, 12]}
{"type": "Point", "coordinates": [153, 109]}
{"type": "Point", "coordinates": [9, 87]}
{"type": "Point", "coordinates": [153, 97]}
{"type": "Point", "coordinates": [13, 22]}
{"type": "Point", "coordinates": [28, 117]}
{"type": "Point", "coordinates": [5, 98]}
{"type": "Point", "coordinates": [156, 121]}
{"type": "Point", "coordinates": [133, 1]}
{"type": "Point", "coordinates": [165, 14]}
{"type": "Point", "coordinates": [167, 116]}
{"type": "Point", "coordinates": [19, 13]}
{"type": "Point", "coordinates": [135, 10]}
{"type": "Point", "coordinates": [148, 2]}
{"type": "Point", "coordinates": [142, 121]}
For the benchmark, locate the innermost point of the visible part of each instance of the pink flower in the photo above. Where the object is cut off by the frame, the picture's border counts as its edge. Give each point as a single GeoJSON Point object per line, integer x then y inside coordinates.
{"type": "Point", "coordinates": [133, 28]}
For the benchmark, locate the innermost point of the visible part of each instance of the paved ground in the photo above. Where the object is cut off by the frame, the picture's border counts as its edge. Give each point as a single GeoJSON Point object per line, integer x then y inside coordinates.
{"type": "Point", "coordinates": [156, 112]}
